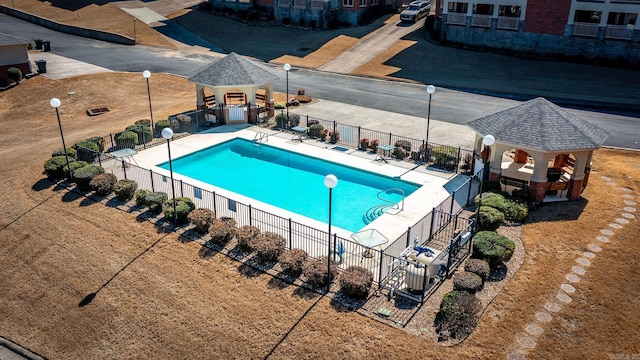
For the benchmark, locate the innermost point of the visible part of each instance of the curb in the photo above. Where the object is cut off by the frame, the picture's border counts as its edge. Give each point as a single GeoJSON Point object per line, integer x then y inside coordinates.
{"type": "Point", "coordinates": [19, 350]}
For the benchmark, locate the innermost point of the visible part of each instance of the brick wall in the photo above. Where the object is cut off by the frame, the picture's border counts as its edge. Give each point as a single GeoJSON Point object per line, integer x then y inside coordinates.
{"type": "Point", "coordinates": [547, 16]}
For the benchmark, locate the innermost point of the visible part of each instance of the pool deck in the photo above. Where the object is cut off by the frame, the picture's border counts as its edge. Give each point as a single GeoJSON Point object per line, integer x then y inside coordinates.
{"type": "Point", "coordinates": [391, 224]}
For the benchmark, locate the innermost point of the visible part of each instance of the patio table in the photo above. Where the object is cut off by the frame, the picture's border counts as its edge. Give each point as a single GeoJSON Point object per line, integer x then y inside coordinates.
{"type": "Point", "coordinates": [369, 238]}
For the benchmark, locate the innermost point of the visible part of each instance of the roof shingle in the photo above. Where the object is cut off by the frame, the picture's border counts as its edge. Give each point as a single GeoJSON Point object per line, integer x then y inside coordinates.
{"type": "Point", "coordinates": [6, 39]}
{"type": "Point", "coordinates": [231, 70]}
{"type": "Point", "coordinates": [540, 124]}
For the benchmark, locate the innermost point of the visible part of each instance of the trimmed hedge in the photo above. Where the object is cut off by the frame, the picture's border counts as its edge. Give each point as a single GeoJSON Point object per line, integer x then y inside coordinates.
{"type": "Point", "coordinates": [479, 267]}
{"type": "Point", "coordinates": [125, 189]}
{"type": "Point", "coordinates": [85, 174]}
{"type": "Point", "coordinates": [87, 150]}
{"type": "Point", "coordinates": [184, 206]}
{"type": "Point", "coordinates": [155, 200]}
{"type": "Point", "coordinates": [356, 282]}
{"type": "Point", "coordinates": [467, 281]}
{"type": "Point", "coordinates": [160, 125]}
{"type": "Point", "coordinates": [15, 74]}
{"type": "Point", "coordinates": [268, 246]}
{"type": "Point", "coordinates": [492, 247]}
{"type": "Point", "coordinates": [103, 184]}
{"type": "Point", "coordinates": [245, 236]}
{"type": "Point", "coordinates": [489, 218]}
{"type": "Point", "coordinates": [201, 219]}
{"type": "Point", "coordinates": [292, 261]}
{"type": "Point", "coordinates": [141, 196]}
{"type": "Point", "coordinates": [74, 165]}
{"type": "Point", "coordinates": [126, 139]}
{"type": "Point", "coordinates": [54, 166]}
{"type": "Point", "coordinates": [458, 315]}
{"type": "Point", "coordinates": [222, 230]}
{"type": "Point", "coordinates": [145, 134]}
{"type": "Point", "coordinates": [71, 152]}
{"type": "Point", "coordinates": [315, 271]}
{"type": "Point", "coordinates": [512, 210]}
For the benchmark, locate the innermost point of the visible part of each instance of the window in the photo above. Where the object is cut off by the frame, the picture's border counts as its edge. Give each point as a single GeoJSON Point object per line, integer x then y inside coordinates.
{"type": "Point", "coordinates": [363, 3]}
{"type": "Point", "coordinates": [347, 3]}
{"type": "Point", "coordinates": [509, 11]}
{"type": "Point", "coordinates": [587, 16]}
{"type": "Point", "coordinates": [624, 19]}
{"type": "Point", "coordinates": [374, 2]}
{"type": "Point", "coordinates": [300, 4]}
{"type": "Point", "coordinates": [482, 9]}
{"type": "Point", "coordinates": [458, 7]}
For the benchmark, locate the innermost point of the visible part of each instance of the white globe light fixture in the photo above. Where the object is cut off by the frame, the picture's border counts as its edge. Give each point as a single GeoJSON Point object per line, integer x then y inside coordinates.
{"type": "Point", "coordinates": [488, 140]}
{"type": "Point", "coordinates": [430, 90]}
{"type": "Point", "coordinates": [147, 74]}
{"type": "Point", "coordinates": [55, 103]}
{"type": "Point", "coordinates": [286, 68]}
{"type": "Point", "coordinates": [167, 133]}
{"type": "Point", "coordinates": [330, 181]}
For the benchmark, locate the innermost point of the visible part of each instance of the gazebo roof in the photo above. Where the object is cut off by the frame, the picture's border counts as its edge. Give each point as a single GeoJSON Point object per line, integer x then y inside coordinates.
{"type": "Point", "coordinates": [6, 39]}
{"type": "Point", "coordinates": [540, 124]}
{"type": "Point", "coordinates": [232, 70]}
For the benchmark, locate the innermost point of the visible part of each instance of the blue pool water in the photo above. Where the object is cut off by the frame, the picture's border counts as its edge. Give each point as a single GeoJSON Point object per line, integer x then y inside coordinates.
{"type": "Point", "coordinates": [291, 181]}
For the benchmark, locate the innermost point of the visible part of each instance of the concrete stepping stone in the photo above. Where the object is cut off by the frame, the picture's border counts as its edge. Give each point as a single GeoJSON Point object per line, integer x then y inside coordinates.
{"type": "Point", "coordinates": [629, 202]}
{"type": "Point", "coordinates": [615, 226]}
{"type": "Point", "coordinates": [602, 239]}
{"type": "Point", "coordinates": [527, 342]}
{"type": "Point", "coordinates": [605, 178]}
{"type": "Point", "coordinates": [628, 216]}
{"type": "Point", "coordinates": [568, 288]}
{"type": "Point", "coordinates": [534, 329]}
{"type": "Point", "coordinates": [543, 316]}
{"type": "Point", "coordinates": [514, 355]}
{"type": "Point", "coordinates": [564, 298]}
{"type": "Point", "coordinates": [629, 209]}
{"type": "Point", "coordinates": [626, 189]}
{"type": "Point", "coordinates": [588, 255]}
{"type": "Point", "coordinates": [583, 261]}
{"type": "Point", "coordinates": [612, 183]}
{"type": "Point", "coordinates": [579, 270]}
{"type": "Point", "coordinates": [622, 221]}
{"type": "Point", "coordinates": [594, 248]}
{"type": "Point", "coordinates": [552, 307]}
{"type": "Point", "coordinates": [606, 232]}
{"type": "Point", "coordinates": [573, 278]}
{"type": "Point", "coordinates": [627, 196]}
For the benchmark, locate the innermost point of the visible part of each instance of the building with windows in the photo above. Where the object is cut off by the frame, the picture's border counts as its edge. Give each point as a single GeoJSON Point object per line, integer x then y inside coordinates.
{"type": "Point", "coordinates": [315, 13]}
{"type": "Point", "coordinates": [604, 29]}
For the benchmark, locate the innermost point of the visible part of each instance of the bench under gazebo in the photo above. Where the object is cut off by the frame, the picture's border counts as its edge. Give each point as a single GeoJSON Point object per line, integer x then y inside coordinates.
{"type": "Point", "coordinates": [234, 89]}
{"type": "Point", "coordinates": [540, 146]}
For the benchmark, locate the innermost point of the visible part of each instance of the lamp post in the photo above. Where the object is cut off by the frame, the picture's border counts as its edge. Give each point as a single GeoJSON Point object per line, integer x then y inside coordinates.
{"type": "Point", "coordinates": [147, 75]}
{"type": "Point", "coordinates": [286, 68]}
{"type": "Point", "coordinates": [55, 103]}
{"type": "Point", "coordinates": [430, 89]}
{"type": "Point", "coordinates": [487, 141]}
{"type": "Point", "coordinates": [330, 181]}
{"type": "Point", "coordinates": [167, 133]}
{"type": "Point", "coordinates": [134, 31]}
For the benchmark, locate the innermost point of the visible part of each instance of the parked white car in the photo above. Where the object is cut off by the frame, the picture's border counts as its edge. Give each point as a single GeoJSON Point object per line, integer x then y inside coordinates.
{"type": "Point", "coordinates": [415, 11]}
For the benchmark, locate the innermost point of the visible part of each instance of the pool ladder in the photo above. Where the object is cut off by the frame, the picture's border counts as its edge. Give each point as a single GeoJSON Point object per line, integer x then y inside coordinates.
{"type": "Point", "coordinates": [260, 137]}
{"type": "Point", "coordinates": [375, 211]}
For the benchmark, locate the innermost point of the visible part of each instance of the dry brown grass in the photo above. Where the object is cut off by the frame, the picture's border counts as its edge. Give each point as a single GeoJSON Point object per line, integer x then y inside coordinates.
{"type": "Point", "coordinates": [326, 53]}
{"type": "Point", "coordinates": [376, 67]}
{"type": "Point", "coordinates": [107, 17]}
{"type": "Point", "coordinates": [58, 247]}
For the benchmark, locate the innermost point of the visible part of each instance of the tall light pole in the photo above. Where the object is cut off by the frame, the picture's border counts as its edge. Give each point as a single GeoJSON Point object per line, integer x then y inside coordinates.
{"type": "Point", "coordinates": [430, 90]}
{"type": "Point", "coordinates": [286, 68]}
{"type": "Point", "coordinates": [55, 103]}
{"type": "Point", "coordinates": [487, 141]}
{"type": "Point", "coordinates": [134, 30]}
{"type": "Point", "coordinates": [167, 133]}
{"type": "Point", "coordinates": [330, 181]}
{"type": "Point", "coordinates": [147, 75]}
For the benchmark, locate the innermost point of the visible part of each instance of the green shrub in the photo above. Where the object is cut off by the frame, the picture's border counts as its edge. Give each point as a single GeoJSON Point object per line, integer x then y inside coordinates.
{"type": "Point", "coordinates": [54, 166]}
{"type": "Point", "coordinates": [292, 261]}
{"type": "Point", "coordinates": [125, 189]}
{"type": "Point", "coordinates": [281, 120]}
{"type": "Point", "coordinates": [126, 139]}
{"type": "Point", "coordinates": [315, 271]}
{"type": "Point", "coordinates": [489, 218]}
{"type": "Point", "coordinates": [512, 210]}
{"type": "Point", "coordinates": [400, 153]}
{"type": "Point", "coordinates": [445, 156]}
{"type": "Point", "coordinates": [316, 130]}
{"type": "Point", "coordinates": [334, 136]}
{"type": "Point", "coordinates": [155, 200]}
{"type": "Point", "coordinates": [268, 246]}
{"type": "Point", "coordinates": [492, 247]}
{"type": "Point", "coordinates": [356, 282]}
{"type": "Point", "coordinates": [184, 122]}
{"type": "Point", "coordinates": [74, 165]}
{"type": "Point", "coordinates": [458, 315]}
{"type": "Point", "coordinates": [405, 145]}
{"type": "Point", "coordinates": [479, 267]}
{"type": "Point", "coordinates": [103, 184]}
{"type": "Point", "coordinates": [278, 106]}
{"type": "Point", "coordinates": [160, 125]}
{"type": "Point", "coordinates": [245, 236]}
{"type": "Point", "coordinates": [85, 174]}
{"type": "Point", "coordinates": [145, 134]}
{"type": "Point", "coordinates": [141, 196]}
{"type": "Point", "coordinates": [467, 281]}
{"type": "Point", "coordinates": [15, 74]}
{"type": "Point", "coordinates": [145, 122]}
{"type": "Point", "coordinates": [222, 230]}
{"type": "Point", "coordinates": [71, 152]}
{"type": "Point", "coordinates": [183, 208]}
{"type": "Point", "coordinates": [522, 195]}
{"type": "Point", "coordinates": [87, 150]}
{"type": "Point", "coordinates": [99, 141]}
{"type": "Point", "coordinates": [201, 219]}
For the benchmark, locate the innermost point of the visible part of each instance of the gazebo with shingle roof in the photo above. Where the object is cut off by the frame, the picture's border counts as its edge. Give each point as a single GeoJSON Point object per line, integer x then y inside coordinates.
{"type": "Point", "coordinates": [13, 53]}
{"type": "Point", "coordinates": [233, 79]}
{"type": "Point", "coordinates": [556, 141]}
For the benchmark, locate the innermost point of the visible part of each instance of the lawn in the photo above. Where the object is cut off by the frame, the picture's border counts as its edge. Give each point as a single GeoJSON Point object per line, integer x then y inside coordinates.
{"type": "Point", "coordinates": [156, 297]}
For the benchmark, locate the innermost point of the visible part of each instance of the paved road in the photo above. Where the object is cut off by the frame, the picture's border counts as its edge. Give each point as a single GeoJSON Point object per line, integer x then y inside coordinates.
{"type": "Point", "coordinates": [448, 105]}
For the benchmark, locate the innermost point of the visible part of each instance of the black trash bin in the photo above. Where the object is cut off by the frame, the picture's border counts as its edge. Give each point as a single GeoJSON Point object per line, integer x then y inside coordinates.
{"type": "Point", "coordinates": [38, 44]}
{"type": "Point", "coordinates": [46, 46]}
{"type": "Point", "coordinates": [42, 66]}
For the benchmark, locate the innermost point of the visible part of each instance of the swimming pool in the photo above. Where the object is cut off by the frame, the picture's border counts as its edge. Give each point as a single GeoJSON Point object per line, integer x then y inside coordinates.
{"type": "Point", "coordinates": [291, 181]}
